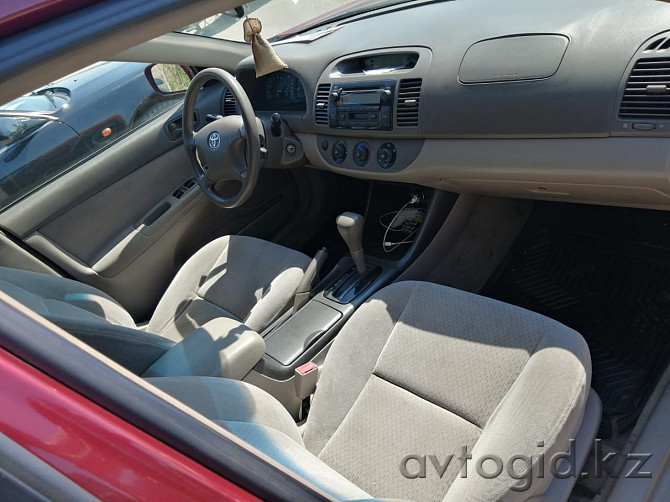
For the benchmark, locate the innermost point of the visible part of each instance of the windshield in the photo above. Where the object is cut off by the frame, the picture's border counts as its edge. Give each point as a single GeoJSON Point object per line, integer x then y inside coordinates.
{"type": "Point", "coordinates": [46, 101]}
{"type": "Point", "coordinates": [279, 16]}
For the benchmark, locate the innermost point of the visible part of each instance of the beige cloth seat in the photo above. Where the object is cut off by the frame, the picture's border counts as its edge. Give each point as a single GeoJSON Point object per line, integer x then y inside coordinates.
{"type": "Point", "coordinates": [422, 370]}
{"type": "Point", "coordinates": [242, 278]}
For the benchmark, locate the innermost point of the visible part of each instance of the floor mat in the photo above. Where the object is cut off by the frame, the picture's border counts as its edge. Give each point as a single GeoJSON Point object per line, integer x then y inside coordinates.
{"type": "Point", "coordinates": [606, 274]}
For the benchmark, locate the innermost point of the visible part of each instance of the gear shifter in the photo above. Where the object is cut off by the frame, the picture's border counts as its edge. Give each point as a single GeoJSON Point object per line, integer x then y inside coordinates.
{"type": "Point", "coordinates": [350, 226]}
{"type": "Point", "coordinates": [354, 281]}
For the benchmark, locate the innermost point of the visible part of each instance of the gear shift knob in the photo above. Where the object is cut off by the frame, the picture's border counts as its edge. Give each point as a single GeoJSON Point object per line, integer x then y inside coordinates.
{"type": "Point", "coordinates": [350, 226]}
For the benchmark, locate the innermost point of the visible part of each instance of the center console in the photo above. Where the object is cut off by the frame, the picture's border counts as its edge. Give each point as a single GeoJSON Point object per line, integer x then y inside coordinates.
{"type": "Point", "coordinates": [304, 336]}
{"type": "Point", "coordinates": [367, 109]}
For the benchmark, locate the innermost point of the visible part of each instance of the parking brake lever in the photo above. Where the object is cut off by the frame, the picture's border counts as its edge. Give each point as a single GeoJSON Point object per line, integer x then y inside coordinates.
{"type": "Point", "coordinates": [304, 291]}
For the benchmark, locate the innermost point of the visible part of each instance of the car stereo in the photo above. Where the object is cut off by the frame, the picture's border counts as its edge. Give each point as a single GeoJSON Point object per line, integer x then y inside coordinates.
{"type": "Point", "coordinates": [361, 106]}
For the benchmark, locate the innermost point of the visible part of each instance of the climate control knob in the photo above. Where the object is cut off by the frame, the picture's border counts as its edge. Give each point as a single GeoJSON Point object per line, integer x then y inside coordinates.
{"type": "Point", "coordinates": [339, 152]}
{"type": "Point", "coordinates": [361, 154]}
{"type": "Point", "coordinates": [386, 155]}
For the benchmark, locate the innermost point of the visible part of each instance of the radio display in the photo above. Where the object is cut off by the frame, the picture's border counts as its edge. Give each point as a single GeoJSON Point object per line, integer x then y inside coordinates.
{"type": "Point", "coordinates": [361, 98]}
{"type": "Point", "coordinates": [361, 105]}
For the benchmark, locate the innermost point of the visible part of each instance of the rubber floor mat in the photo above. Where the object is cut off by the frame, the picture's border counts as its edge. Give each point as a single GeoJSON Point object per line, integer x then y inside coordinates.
{"type": "Point", "coordinates": [612, 287]}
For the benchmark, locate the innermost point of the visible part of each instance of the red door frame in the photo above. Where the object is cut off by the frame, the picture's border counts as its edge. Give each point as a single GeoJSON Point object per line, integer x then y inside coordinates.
{"type": "Point", "coordinates": [19, 15]}
{"type": "Point", "coordinates": [100, 452]}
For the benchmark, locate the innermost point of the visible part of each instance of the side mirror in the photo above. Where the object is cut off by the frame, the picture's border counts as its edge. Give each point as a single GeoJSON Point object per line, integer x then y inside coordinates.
{"type": "Point", "coordinates": [168, 78]}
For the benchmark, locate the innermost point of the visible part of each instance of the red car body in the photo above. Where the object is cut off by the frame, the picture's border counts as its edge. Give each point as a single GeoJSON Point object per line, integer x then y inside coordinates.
{"type": "Point", "coordinates": [18, 15]}
{"type": "Point", "coordinates": [107, 456]}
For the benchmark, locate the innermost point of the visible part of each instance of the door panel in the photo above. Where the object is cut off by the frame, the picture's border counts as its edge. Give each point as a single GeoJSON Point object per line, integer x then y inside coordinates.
{"type": "Point", "coordinates": [13, 255]}
{"type": "Point", "coordinates": [90, 235]}
{"type": "Point", "coordinates": [71, 189]}
{"type": "Point", "coordinates": [114, 222]}
{"type": "Point", "coordinates": [92, 221]}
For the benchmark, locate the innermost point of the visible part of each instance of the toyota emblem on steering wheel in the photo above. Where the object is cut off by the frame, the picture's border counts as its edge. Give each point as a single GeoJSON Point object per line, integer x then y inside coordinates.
{"type": "Point", "coordinates": [214, 140]}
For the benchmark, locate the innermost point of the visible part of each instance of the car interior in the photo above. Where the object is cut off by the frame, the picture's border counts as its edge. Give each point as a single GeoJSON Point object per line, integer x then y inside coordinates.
{"type": "Point", "coordinates": [412, 239]}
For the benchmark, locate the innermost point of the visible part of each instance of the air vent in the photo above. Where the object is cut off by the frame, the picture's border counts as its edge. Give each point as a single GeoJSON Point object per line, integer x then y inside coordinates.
{"type": "Point", "coordinates": [647, 94]}
{"type": "Point", "coordinates": [407, 111]}
{"type": "Point", "coordinates": [658, 45]}
{"type": "Point", "coordinates": [321, 104]}
{"type": "Point", "coordinates": [229, 103]}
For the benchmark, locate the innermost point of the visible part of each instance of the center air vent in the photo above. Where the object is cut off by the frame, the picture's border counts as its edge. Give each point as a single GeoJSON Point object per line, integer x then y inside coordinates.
{"type": "Point", "coordinates": [321, 104]}
{"type": "Point", "coordinates": [647, 94]}
{"type": "Point", "coordinates": [407, 111]}
{"type": "Point", "coordinates": [658, 45]}
{"type": "Point", "coordinates": [229, 103]}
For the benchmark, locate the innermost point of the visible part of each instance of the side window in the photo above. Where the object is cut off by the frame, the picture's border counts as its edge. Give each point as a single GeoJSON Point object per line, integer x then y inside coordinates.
{"type": "Point", "coordinates": [52, 129]}
{"type": "Point", "coordinates": [32, 151]}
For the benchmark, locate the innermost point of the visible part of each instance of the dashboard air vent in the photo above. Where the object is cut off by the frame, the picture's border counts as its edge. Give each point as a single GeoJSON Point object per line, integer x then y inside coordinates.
{"type": "Point", "coordinates": [658, 45]}
{"type": "Point", "coordinates": [647, 94]}
{"type": "Point", "coordinates": [407, 111]}
{"type": "Point", "coordinates": [321, 104]}
{"type": "Point", "coordinates": [229, 103]}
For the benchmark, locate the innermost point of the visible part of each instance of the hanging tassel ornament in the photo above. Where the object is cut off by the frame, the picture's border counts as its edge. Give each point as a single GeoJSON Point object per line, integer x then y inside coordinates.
{"type": "Point", "coordinates": [265, 57]}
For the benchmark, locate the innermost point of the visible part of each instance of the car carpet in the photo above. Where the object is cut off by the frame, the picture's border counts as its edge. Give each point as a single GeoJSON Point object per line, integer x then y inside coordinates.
{"type": "Point", "coordinates": [604, 272]}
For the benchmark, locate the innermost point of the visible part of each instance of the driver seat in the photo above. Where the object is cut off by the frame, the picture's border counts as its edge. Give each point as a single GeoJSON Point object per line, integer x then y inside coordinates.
{"type": "Point", "coordinates": [248, 281]}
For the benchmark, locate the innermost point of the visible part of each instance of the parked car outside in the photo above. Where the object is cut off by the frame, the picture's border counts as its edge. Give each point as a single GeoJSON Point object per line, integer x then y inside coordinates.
{"type": "Point", "coordinates": [58, 125]}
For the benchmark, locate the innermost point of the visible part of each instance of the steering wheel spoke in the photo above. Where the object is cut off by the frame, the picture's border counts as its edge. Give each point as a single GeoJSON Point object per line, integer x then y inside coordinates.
{"type": "Point", "coordinates": [202, 178]}
{"type": "Point", "coordinates": [221, 151]}
{"type": "Point", "coordinates": [190, 140]}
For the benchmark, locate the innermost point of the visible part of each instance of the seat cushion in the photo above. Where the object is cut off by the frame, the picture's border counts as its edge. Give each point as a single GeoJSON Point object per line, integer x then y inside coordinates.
{"type": "Point", "coordinates": [260, 420]}
{"type": "Point", "coordinates": [87, 313]}
{"type": "Point", "coordinates": [50, 295]}
{"type": "Point", "coordinates": [423, 369]}
{"type": "Point", "coordinates": [224, 400]}
{"type": "Point", "coordinates": [243, 278]}
{"type": "Point", "coordinates": [296, 458]}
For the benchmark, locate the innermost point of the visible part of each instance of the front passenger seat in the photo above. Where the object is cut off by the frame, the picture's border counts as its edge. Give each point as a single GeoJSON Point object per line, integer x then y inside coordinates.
{"type": "Point", "coordinates": [245, 280]}
{"type": "Point", "coordinates": [420, 375]}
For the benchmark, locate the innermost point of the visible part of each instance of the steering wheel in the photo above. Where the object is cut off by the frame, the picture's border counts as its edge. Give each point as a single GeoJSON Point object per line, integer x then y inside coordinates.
{"type": "Point", "coordinates": [227, 149]}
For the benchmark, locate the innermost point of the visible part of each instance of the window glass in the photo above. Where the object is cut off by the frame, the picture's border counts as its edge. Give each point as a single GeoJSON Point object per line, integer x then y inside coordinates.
{"type": "Point", "coordinates": [282, 17]}
{"type": "Point", "coordinates": [52, 129]}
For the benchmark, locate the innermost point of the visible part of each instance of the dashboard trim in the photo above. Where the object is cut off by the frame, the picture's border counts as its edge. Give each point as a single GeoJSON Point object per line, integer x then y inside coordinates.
{"type": "Point", "coordinates": [630, 172]}
{"type": "Point", "coordinates": [552, 138]}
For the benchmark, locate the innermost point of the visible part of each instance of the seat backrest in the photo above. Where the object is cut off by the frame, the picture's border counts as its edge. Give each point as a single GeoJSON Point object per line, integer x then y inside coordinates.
{"type": "Point", "coordinates": [422, 371]}
{"type": "Point", "coordinates": [243, 278]}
